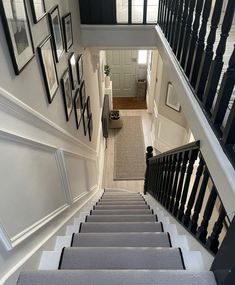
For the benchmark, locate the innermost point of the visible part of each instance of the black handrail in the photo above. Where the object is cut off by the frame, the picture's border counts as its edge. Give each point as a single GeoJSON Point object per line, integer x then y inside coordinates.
{"type": "Point", "coordinates": [203, 63]}
{"type": "Point", "coordinates": [180, 180]}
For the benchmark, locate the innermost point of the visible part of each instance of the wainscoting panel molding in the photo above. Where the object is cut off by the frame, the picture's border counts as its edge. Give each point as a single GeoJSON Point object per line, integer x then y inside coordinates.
{"type": "Point", "coordinates": [31, 191]}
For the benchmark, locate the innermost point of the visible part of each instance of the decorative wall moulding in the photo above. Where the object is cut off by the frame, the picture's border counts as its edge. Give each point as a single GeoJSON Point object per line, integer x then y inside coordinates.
{"type": "Point", "coordinates": [16, 108]}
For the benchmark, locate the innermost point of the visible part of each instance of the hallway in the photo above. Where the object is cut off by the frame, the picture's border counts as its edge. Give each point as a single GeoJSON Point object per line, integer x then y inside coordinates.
{"type": "Point", "coordinates": [132, 185]}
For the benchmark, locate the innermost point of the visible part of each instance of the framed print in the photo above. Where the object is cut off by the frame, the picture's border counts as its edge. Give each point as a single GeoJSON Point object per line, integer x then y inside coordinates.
{"type": "Point", "coordinates": [38, 10]}
{"type": "Point", "coordinates": [83, 94]}
{"type": "Point", "coordinates": [48, 67]}
{"type": "Point", "coordinates": [85, 119]}
{"type": "Point", "coordinates": [90, 127]}
{"type": "Point", "coordinates": [80, 69]}
{"type": "Point", "coordinates": [67, 94]}
{"type": "Point", "coordinates": [78, 108]}
{"type": "Point", "coordinates": [68, 31]}
{"type": "Point", "coordinates": [55, 25]}
{"type": "Point", "coordinates": [18, 33]}
{"type": "Point", "coordinates": [171, 98]}
{"type": "Point", "coordinates": [88, 106]}
{"type": "Point", "coordinates": [73, 72]}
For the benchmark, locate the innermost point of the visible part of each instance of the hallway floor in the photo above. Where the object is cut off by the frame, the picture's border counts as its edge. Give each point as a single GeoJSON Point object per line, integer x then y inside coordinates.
{"type": "Point", "coordinates": [127, 103]}
{"type": "Point", "coordinates": [132, 185]}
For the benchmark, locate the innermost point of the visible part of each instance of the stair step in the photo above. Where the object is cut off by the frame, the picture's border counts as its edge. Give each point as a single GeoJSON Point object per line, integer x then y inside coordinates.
{"type": "Point", "coordinates": [121, 218]}
{"type": "Point", "coordinates": [122, 194]}
{"type": "Point", "coordinates": [122, 212]}
{"type": "Point", "coordinates": [121, 240]}
{"type": "Point", "coordinates": [120, 207]}
{"type": "Point", "coordinates": [106, 227]}
{"type": "Point", "coordinates": [117, 277]}
{"type": "Point", "coordinates": [119, 198]}
{"type": "Point", "coordinates": [121, 258]}
{"type": "Point", "coordinates": [122, 203]}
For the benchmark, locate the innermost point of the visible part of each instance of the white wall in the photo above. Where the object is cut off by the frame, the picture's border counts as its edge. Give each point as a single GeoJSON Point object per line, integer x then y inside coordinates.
{"type": "Point", "coordinates": [47, 166]}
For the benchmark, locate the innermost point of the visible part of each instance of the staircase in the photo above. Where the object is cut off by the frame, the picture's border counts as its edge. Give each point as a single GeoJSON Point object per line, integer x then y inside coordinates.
{"type": "Point", "coordinates": [120, 242]}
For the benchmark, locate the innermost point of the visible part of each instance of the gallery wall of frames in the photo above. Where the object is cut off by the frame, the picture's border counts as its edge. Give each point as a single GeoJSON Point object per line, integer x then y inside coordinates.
{"type": "Point", "coordinates": [58, 43]}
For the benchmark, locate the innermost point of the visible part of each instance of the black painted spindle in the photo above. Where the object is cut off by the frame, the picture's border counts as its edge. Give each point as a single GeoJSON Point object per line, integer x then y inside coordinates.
{"type": "Point", "coordinates": [177, 26]}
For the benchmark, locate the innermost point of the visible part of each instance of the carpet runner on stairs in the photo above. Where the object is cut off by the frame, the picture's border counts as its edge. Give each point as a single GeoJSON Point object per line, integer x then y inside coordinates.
{"type": "Point", "coordinates": [120, 242]}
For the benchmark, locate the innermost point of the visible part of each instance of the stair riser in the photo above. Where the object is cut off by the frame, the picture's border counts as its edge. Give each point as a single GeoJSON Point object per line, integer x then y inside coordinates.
{"type": "Point", "coordinates": [124, 218]}
{"type": "Point", "coordinates": [120, 207]}
{"type": "Point", "coordinates": [121, 212]}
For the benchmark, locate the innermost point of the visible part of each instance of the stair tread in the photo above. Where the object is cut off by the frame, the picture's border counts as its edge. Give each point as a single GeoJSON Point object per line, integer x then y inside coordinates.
{"type": "Point", "coordinates": [121, 258]}
{"type": "Point", "coordinates": [114, 207]}
{"type": "Point", "coordinates": [122, 212]}
{"type": "Point", "coordinates": [121, 218]}
{"type": "Point", "coordinates": [121, 227]}
{"type": "Point", "coordinates": [156, 239]}
{"type": "Point", "coordinates": [116, 277]}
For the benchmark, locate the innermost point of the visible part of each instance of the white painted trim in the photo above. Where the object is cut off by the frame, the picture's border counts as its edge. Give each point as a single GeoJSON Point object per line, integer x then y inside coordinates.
{"type": "Point", "coordinates": [93, 188]}
{"type": "Point", "coordinates": [218, 164]}
{"type": "Point", "coordinates": [41, 243]}
{"type": "Point", "coordinates": [79, 197]}
{"type": "Point", "coordinates": [13, 106]}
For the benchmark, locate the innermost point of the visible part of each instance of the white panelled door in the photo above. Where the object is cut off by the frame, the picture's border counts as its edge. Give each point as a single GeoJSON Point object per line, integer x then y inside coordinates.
{"type": "Point", "coordinates": [125, 72]}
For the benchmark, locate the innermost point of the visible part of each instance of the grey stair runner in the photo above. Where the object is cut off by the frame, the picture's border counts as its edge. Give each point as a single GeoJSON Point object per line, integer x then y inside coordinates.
{"type": "Point", "coordinates": [121, 218]}
{"type": "Point", "coordinates": [121, 258]}
{"type": "Point", "coordinates": [121, 240]}
{"type": "Point", "coordinates": [122, 212]}
{"type": "Point", "coordinates": [121, 243]}
{"type": "Point", "coordinates": [116, 277]}
{"type": "Point", "coordinates": [105, 227]}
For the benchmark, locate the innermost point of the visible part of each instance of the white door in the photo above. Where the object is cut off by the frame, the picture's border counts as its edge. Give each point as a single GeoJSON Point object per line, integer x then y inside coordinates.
{"type": "Point", "coordinates": [125, 71]}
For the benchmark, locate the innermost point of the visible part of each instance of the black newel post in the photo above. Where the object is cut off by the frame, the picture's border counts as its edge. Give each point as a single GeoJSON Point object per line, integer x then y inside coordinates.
{"type": "Point", "coordinates": [148, 155]}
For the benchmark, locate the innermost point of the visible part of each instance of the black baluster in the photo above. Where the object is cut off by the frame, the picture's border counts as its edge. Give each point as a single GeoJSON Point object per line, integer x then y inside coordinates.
{"type": "Point", "coordinates": [160, 177]}
{"type": "Point", "coordinates": [181, 182]}
{"type": "Point", "coordinates": [182, 29]}
{"type": "Point", "coordinates": [202, 230]}
{"type": "Point", "coordinates": [208, 53]}
{"type": "Point", "coordinates": [169, 2]}
{"type": "Point", "coordinates": [192, 157]}
{"type": "Point", "coordinates": [191, 201]}
{"type": "Point", "coordinates": [217, 63]}
{"type": "Point", "coordinates": [187, 32]}
{"type": "Point", "coordinates": [145, 12]}
{"type": "Point", "coordinates": [213, 241]}
{"type": "Point", "coordinates": [193, 37]}
{"type": "Point", "coordinates": [165, 16]}
{"type": "Point", "coordinates": [165, 172]}
{"type": "Point", "coordinates": [159, 18]}
{"type": "Point", "coordinates": [173, 20]}
{"type": "Point", "coordinates": [198, 205]}
{"type": "Point", "coordinates": [171, 179]}
{"type": "Point", "coordinates": [172, 4]}
{"type": "Point", "coordinates": [148, 155]}
{"type": "Point", "coordinates": [229, 130]}
{"type": "Point", "coordinates": [178, 26]}
{"type": "Point", "coordinates": [200, 45]}
{"type": "Point", "coordinates": [175, 182]}
{"type": "Point", "coordinates": [225, 93]}
{"type": "Point", "coordinates": [169, 166]}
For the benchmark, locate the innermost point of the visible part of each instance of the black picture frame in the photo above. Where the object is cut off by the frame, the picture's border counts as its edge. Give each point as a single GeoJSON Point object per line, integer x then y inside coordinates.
{"type": "Point", "coordinates": [80, 68]}
{"type": "Point", "coordinates": [18, 34]}
{"type": "Point", "coordinates": [83, 93]}
{"type": "Point", "coordinates": [56, 31]}
{"type": "Point", "coordinates": [38, 10]}
{"type": "Point", "coordinates": [68, 31]}
{"type": "Point", "coordinates": [88, 106]}
{"type": "Point", "coordinates": [78, 108]}
{"type": "Point", "coordinates": [171, 98]}
{"type": "Point", "coordinates": [85, 119]}
{"type": "Point", "coordinates": [73, 71]}
{"type": "Point", "coordinates": [90, 127]}
{"type": "Point", "coordinates": [48, 67]}
{"type": "Point", "coordinates": [67, 94]}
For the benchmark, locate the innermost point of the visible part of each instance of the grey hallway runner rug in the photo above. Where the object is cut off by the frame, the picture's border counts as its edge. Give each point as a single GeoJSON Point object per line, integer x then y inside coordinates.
{"type": "Point", "coordinates": [129, 150]}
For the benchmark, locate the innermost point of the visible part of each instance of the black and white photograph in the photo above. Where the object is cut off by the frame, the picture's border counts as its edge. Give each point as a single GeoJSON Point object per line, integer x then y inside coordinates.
{"type": "Point", "coordinates": [55, 25]}
{"type": "Point", "coordinates": [90, 127]}
{"type": "Point", "coordinates": [80, 68]}
{"type": "Point", "coordinates": [67, 94]}
{"type": "Point", "coordinates": [171, 98]}
{"type": "Point", "coordinates": [48, 68]}
{"type": "Point", "coordinates": [38, 10]}
{"type": "Point", "coordinates": [18, 32]}
{"type": "Point", "coordinates": [83, 93]}
{"type": "Point", "coordinates": [68, 32]}
{"type": "Point", "coordinates": [73, 71]}
{"type": "Point", "coordinates": [78, 108]}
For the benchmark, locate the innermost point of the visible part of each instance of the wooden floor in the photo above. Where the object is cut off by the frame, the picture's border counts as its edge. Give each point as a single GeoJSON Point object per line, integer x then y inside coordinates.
{"type": "Point", "coordinates": [132, 185]}
{"type": "Point", "coordinates": [128, 103]}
